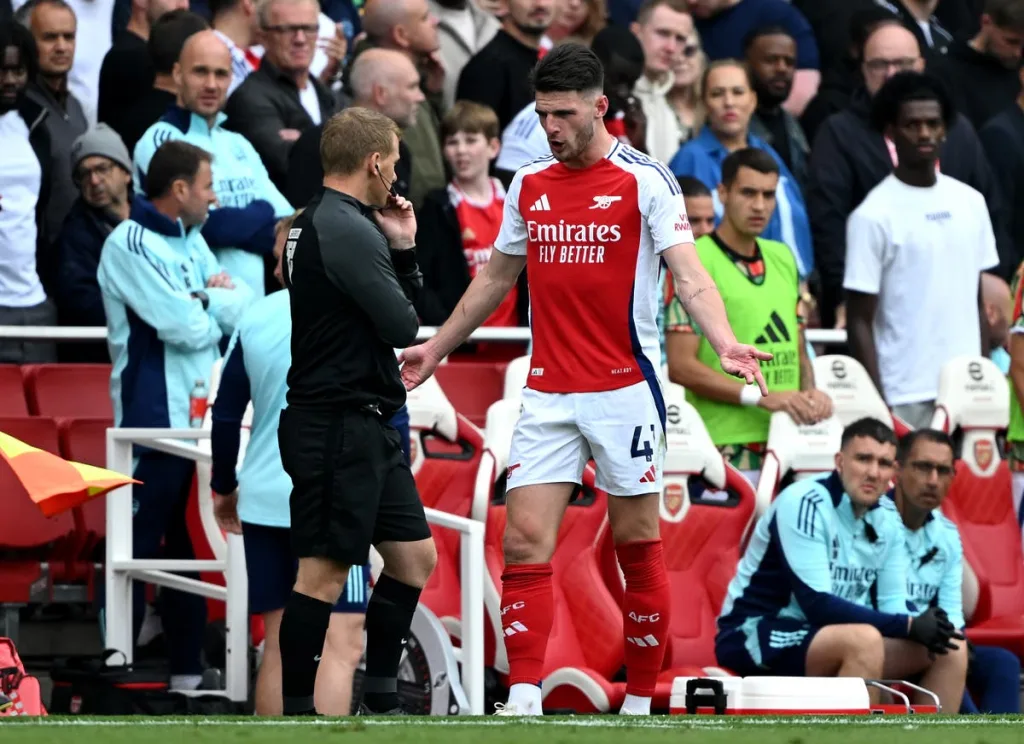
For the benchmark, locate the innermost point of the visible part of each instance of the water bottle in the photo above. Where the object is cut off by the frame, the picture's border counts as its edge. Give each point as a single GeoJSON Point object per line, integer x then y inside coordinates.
{"type": "Point", "coordinates": [197, 404]}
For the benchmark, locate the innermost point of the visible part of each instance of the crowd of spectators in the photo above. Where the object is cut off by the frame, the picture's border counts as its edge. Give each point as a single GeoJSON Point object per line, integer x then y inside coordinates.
{"type": "Point", "coordinates": [777, 117]}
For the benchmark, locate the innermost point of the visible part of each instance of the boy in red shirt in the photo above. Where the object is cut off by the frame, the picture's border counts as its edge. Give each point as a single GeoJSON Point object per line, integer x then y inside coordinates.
{"type": "Point", "coordinates": [459, 223]}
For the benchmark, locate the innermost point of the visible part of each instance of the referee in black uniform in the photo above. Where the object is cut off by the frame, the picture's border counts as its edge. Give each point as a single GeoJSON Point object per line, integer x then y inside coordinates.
{"type": "Point", "coordinates": [351, 269]}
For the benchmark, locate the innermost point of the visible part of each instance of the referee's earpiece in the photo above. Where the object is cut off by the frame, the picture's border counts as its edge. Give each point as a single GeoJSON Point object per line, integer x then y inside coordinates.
{"type": "Point", "coordinates": [391, 187]}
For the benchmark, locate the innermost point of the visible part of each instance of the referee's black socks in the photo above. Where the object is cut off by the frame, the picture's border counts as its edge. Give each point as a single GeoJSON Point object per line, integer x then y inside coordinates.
{"type": "Point", "coordinates": [388, 617]}
{"type": "Point", "coordinates": [303, 630]}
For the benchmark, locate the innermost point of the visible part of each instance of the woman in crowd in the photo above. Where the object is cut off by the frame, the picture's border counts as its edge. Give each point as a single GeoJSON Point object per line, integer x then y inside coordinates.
{"type": "Point", "coordinates": [684, 96]}
{"type": "Point", "coordinates": [578, 20]}
{"type": "Point", "coordinates": [729, 101]}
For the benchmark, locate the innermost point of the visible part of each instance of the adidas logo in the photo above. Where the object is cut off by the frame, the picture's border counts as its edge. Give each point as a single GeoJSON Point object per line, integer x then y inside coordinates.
{"type": "Point", "coordinates": [774, 332]}
{"type": "Point", "coordinates": [515, 627]}
{"type": "Point", "coordinates": [648, 641]}
{"type": "Point", "coordinates": [541, 205]}
{"type": "Point", "coordinates": [650, 476]}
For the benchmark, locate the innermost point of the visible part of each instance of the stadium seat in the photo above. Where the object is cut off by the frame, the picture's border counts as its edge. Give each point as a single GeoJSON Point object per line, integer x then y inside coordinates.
{"type": "Point", "coordinates": [472, 386]}
{"type": "Point", "coordinates": [853, 394]}
{"type": "Point", "coordinates": [516, 374]}
{"type": "Point", "coordinates": [85, 440]}
{"type": "Point", "coordinates": [12, 391]}
{"type": "Point", "coordinates": [72, 390]}
{"type": "Point", "coordinates": [30, 540]}
{"type": "Point", "coordinates": [973, 402]}
{"type": "Point", "coordinates": [803, 451]}
{"type": "Point", "coordinates": [445, 451]}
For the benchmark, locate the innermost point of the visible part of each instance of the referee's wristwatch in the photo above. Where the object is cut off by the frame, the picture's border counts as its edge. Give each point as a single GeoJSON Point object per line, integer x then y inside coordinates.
{"type": "Point", "coordinates": [203, 298]}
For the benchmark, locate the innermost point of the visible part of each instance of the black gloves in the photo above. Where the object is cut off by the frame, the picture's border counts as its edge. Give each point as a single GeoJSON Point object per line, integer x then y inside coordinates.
{"type": "Point", "coordinates": [933, 630]}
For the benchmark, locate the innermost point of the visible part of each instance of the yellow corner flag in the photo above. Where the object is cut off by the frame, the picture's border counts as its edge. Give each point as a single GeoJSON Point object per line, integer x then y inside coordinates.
{"type": "Point", "coordinates": [54, 484]}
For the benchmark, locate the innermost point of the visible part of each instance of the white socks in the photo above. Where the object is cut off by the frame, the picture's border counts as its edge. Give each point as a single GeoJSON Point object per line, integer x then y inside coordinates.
{"type": "Point", "coordinates": [634, 705]}
{"type": "Point", "coordinates": [526, 699]}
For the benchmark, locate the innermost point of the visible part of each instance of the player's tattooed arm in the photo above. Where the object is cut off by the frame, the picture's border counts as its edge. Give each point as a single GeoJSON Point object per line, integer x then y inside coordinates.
{"type": "Point", "coordinates": [687, 299]}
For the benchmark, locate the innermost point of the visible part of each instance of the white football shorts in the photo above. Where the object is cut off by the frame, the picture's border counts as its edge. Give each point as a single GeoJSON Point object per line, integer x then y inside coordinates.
{"type": "Point", "coordinates": [623, 430]}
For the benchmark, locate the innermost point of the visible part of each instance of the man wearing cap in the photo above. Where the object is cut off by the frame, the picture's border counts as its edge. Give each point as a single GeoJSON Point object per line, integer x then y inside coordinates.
{"type": "Point", "coordinates": [102, 170]}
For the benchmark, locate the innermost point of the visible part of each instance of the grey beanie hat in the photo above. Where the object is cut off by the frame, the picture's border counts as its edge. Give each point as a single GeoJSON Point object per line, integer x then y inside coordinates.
{"type": "Point", "coordinates": [104, 141]}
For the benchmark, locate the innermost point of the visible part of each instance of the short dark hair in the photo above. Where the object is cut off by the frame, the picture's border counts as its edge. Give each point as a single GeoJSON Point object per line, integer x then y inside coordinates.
{"type": "Point", "coordinates": [168, 37]}
{"type": "Point", "coordinates": [13, 34]}
{"type": "Point", "coordinates": [174, 160]}
{"type": "Point", "coordinates": [616, 41]}
{"type": "Point", "coordinates": [773, 29]}
{"type": "Point", "coordinates": [24, 14]}
{"type": "Point", "coordinates": [1005, 13]}
{"type": "Point", "coordinates": [864, 23]}
{"type": "Point", "coordinates": [568, 68]}
{"type": "Point", "coordinates": [908, 440]}
{"type": "Point", "coordinates": [909, 86]}
{"type": "Point", "coordinates": [868, 427]}
{"type": "Point", "coordinates": [692, 187]}
{"type": "Point", "coordinates": [748, 157]}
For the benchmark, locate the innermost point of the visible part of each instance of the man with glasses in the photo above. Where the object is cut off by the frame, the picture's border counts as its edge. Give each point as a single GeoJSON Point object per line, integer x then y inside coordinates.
{"type": "Point", "coordinates": [850, 157]}
{"type": "Point", "coordinates": [102, 171]}
{"type": "Point", "coordinates": [282, 99]}
{"type": "Point", "coordinates": [935, 573]}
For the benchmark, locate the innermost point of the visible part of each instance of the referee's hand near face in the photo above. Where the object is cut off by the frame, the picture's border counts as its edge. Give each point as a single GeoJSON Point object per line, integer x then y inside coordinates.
{"type": "Point", "coordinates": [351, 270]}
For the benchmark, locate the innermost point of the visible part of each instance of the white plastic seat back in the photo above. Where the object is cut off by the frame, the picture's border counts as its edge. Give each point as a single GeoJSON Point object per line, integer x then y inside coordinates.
{"type": "Point", "coordinates": [690, 452]}
{"type": "Point", "coordinates": [854, 395]}
{"type": "Point", "coordinates": [429, 411]}
{"type": "Point", "coordinates": [973, 396]}
{"type": "Point", "coordinates": [515, 377]}
{"type": "Point", "coordinates": [806, 451]}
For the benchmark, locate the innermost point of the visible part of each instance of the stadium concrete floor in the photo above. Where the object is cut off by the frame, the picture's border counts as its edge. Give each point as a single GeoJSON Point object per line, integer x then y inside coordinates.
{"type": "Point", "coordinates": [490, 730]}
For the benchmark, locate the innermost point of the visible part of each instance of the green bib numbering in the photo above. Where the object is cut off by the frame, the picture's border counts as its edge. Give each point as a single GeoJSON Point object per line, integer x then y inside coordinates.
{"type": "Point", "coordinates": [762, 315]}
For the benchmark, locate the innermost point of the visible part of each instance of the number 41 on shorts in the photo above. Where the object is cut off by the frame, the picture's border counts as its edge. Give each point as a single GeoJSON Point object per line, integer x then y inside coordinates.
{"type": "Point", "coordinates": [646, 451]}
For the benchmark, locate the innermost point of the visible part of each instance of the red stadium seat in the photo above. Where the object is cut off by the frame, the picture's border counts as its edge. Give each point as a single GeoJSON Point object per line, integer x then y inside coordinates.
{"type": "Point", "coordinates": [974, 399]}
{"type": "Point", "coordinates": [31, 538]}
{"type": "Point", "coordinates": [12, 391]}
{"type": "Point", "coordinates": [445, 455]}
{"type": "Point", "coordinates": [72, 390]}
{"type": "Point", "coordinates": [85, 440]}
{"type": "Point", "coordinates": [472, 386]}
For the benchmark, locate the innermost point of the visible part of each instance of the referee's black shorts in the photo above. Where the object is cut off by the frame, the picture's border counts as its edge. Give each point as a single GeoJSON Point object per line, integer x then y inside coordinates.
{"type": "Point", "coordinates": [351, 487]}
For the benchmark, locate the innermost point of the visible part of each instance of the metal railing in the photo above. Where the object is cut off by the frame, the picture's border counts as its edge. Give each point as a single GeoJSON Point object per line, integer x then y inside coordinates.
{"type": "Point", "coordinates": [123, 569]}
{"type": "Point", "coordinates": [500, 335]}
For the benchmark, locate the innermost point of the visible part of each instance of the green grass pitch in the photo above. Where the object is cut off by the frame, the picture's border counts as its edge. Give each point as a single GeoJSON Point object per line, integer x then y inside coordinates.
{"type": "Point", "coordinates": [490, 730]}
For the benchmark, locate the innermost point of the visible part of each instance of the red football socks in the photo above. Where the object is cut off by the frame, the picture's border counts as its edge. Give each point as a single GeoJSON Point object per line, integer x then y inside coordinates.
{"type": "Point", "coordinates": [527, 612]}
{"type": "Point", "coordinates": [645, 613]}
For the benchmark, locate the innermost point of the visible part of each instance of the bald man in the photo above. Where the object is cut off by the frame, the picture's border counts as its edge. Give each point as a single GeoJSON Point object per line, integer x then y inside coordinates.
{"type": "Point", "coordinates": [998, 305]}
{"type": "Point", "coordinates": [850, 157]}
{"type": "Point", "coordinates": [240, 229]}
{"type": "Point", "coordinates": [410, 28]}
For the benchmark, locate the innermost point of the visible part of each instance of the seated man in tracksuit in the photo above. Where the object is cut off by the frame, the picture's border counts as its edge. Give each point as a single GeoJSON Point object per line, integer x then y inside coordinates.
{"type": "Point", "coordinates": [935, 571]}
{"type": "Point", "coordinates": [256, 503]}
{"type": "Point", "coordinates": [796, 604]}
{"type": "Point", "coordinates": [240, 229]}
{"type": "Point", "coordinates": [168, 304]}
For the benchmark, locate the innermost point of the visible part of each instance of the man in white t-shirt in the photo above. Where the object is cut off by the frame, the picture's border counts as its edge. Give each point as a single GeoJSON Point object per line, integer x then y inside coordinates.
{"type": "Point", "coordinates": [916, 247]}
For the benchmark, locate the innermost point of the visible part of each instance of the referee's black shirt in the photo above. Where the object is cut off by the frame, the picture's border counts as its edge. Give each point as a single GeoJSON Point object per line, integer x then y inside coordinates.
{"type": "Point", "coordinates": [351, 300]}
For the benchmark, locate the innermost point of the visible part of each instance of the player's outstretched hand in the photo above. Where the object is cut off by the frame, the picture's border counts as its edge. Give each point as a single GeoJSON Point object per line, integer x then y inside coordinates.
{"type": "Point", "coordinates": [418, 364]}
{"type": "Point", "coordinates": [744, 361]}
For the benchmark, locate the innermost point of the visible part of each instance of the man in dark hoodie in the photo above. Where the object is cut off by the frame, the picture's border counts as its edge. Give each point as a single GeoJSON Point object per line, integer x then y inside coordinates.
{"type": "Point", "coordinates": [1003, 139]}
{"type": "Point", "coordinates": [982, 71]}
{"type": "Point", "coordinates": [850, 157]}
{"type": "Point", "coordinates": [25, 264]}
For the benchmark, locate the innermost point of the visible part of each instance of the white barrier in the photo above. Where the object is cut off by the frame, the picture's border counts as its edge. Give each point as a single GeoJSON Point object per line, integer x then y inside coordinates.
{"type": "Point", "coordinates": [500, 335]}
{"type": "Point", "coordinates": [122, 569]}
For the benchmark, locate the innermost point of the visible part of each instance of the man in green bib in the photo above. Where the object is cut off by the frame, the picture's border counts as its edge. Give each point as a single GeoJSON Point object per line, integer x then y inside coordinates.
{"type": "Point", "coordinates": [758, 281]}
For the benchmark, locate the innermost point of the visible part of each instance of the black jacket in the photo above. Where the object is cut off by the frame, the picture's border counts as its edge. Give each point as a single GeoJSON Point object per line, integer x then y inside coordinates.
{"type": "Point", "coordinates": [443, 263]}
{"type": "Point", "coordinates": [79, 299]}
{"type": "Point", "coordinates": [981, 86]}
{"type": "Point", "coordinates": [849, 158]}
{"type": "Point", "coordinates": [34, 117]}
{"type": "Point", "coordinates": [1003, 140]}
{"type": "Point", "coordinates": [352, 305]}
{"type": "Point", "coordinates": [267, 102]}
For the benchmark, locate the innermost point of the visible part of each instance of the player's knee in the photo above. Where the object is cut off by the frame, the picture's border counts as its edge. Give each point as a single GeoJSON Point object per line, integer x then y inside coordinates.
{"type": "Point", "coordinates": [865, 644]}
{"type": "Point", "coordinates": [410, 562]}
{"type": "Point", "coordinates": [955, 660]}
{"type": "Point", "coordinates": [528, 540]}
{"type": "Point", "coordinates": [634, 518]}
{"type": "Point", "coordinates": [321, 578]}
